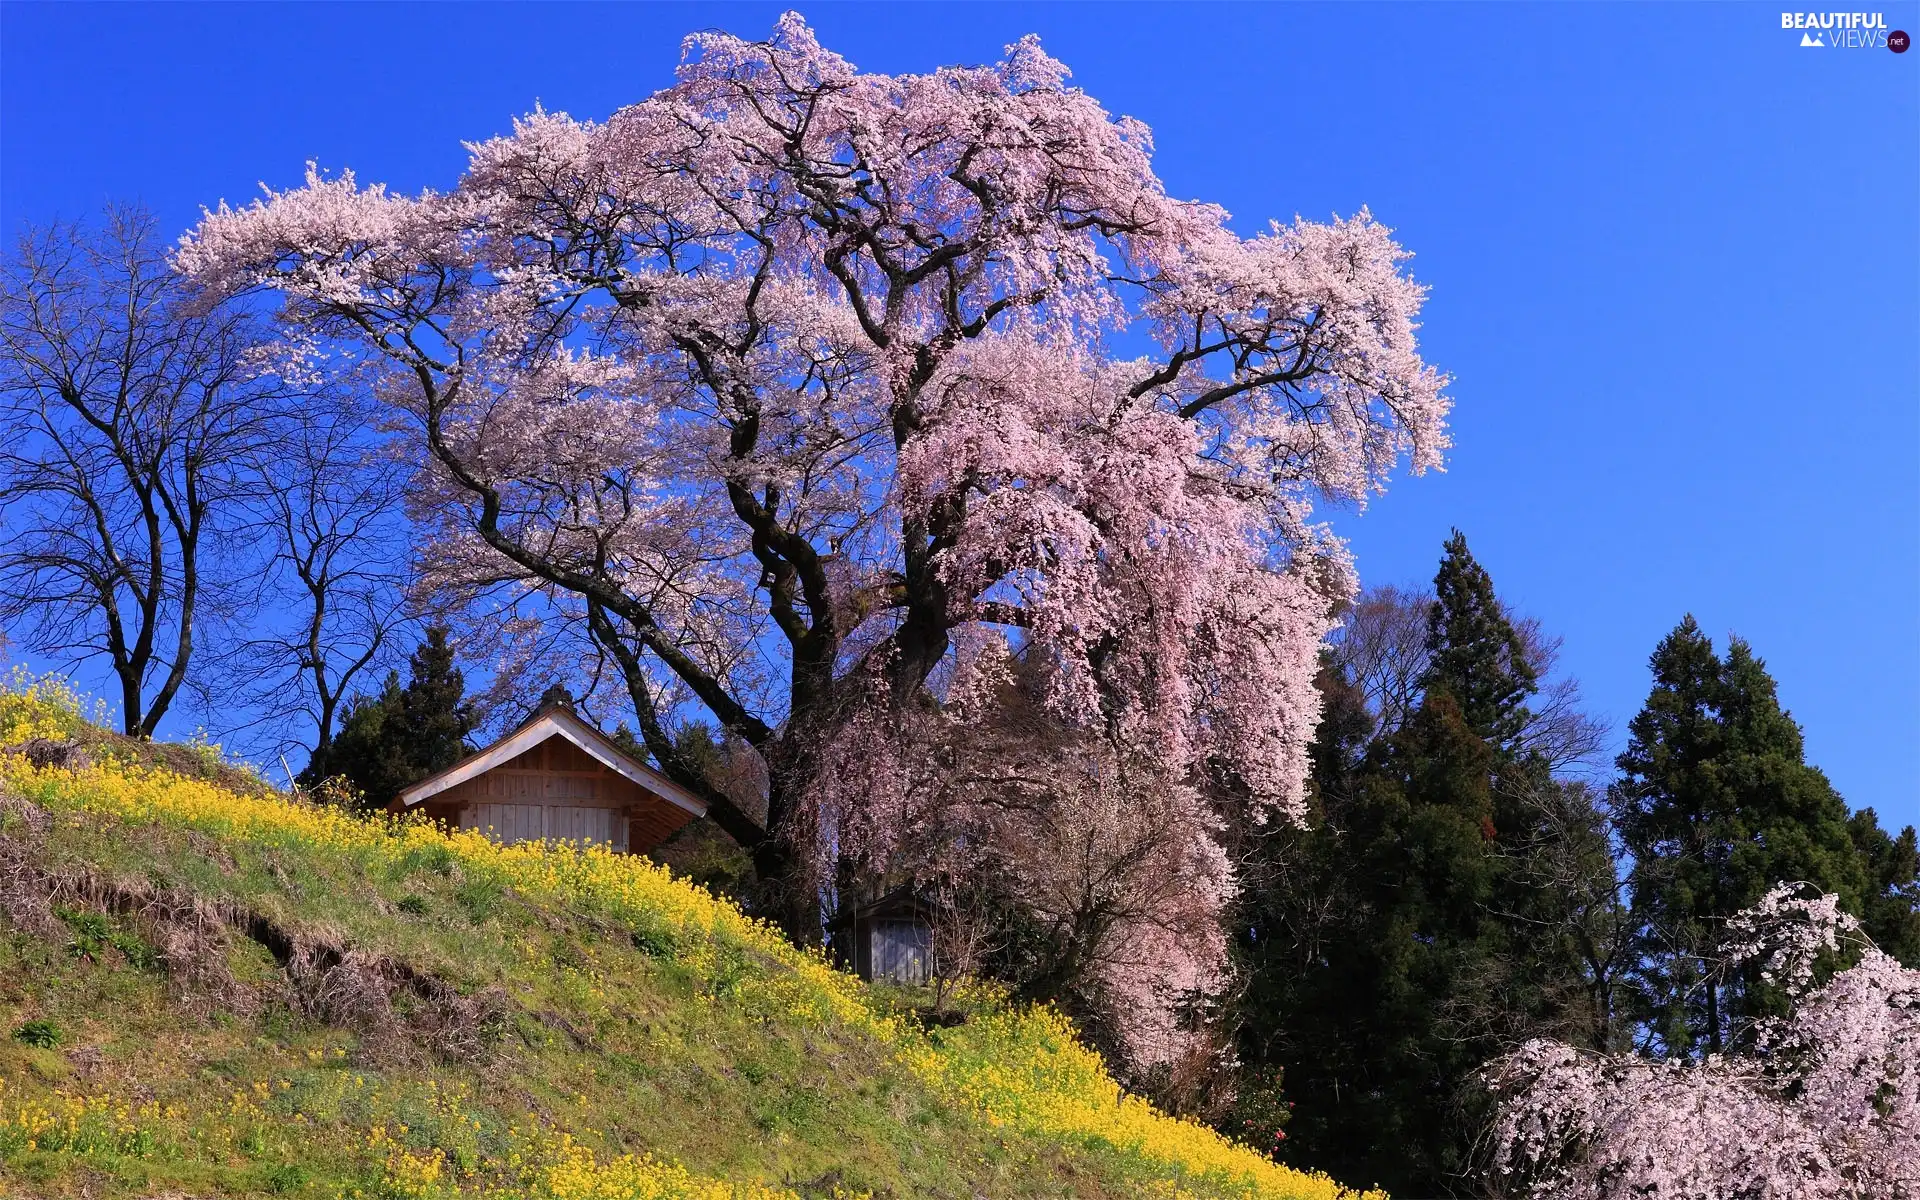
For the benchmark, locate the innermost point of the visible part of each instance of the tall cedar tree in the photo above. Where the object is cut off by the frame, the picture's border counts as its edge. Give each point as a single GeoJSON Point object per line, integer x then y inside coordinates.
{"type": "Point", "coordinates": [1474, 651]}
{"type": "Point", "coordinates": [1891, 910]}
{"type": "Point", "coordinates": [1716, 803]}
{"type": "Point", "coordinates": [1392, 948]}
{"type": "Point", "coordinates": [1531, 978]}
{"type": "Point", "coordinates": [403, 734]}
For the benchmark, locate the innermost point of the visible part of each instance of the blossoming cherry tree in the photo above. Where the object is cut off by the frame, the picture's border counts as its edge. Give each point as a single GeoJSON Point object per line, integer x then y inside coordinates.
{"type": "Point", "coordinates": [792, 385]}
{"type": "Point", "coordinates": [1821, 1103]}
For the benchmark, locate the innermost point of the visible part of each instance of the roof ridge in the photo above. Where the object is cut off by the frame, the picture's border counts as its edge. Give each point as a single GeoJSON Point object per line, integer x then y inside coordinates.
{"type": "Point", "coordinates": [607, 751]}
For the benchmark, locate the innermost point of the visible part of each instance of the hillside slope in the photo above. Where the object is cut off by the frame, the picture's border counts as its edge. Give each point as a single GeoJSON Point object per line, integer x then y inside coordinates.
{"type": "Point", "coordinates": [209, 989]}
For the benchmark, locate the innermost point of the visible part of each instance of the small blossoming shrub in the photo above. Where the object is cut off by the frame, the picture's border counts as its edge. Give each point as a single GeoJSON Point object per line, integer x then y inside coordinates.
{"type": "Point", "coordinates": [1261, 1111]}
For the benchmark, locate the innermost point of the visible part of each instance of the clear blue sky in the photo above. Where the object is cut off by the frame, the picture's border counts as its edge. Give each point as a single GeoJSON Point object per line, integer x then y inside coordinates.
{"type": "Point", "coordinates": [1675, 256]}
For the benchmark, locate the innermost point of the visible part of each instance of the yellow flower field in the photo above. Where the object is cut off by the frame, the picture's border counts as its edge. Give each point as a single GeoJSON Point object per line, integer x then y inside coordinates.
{"type": "Point", "coordinates": [1018, 1071]}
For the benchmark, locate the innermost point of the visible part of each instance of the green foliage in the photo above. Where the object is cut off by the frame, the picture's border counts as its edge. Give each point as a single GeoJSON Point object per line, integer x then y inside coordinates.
{"type": "Point", "coordinates": [1406, 938]}
{"type": "Point", "coordinates": [655, 939]}
{"type": "Point", "coordinates": [286, 1179]}
{"type": "Point", "coordinates": [402, 734]}
{"type": "Point", "coordinates": [478, 896]}
{"type": "Point", "coordinates": [434, 859]}
{"type": "Point", "coordinates": [1890, 910]}
{"type": "Point", "coordinates": [42, 1034]}
{"type": "Point", "coordinates": [90, 932]}
{"type": "Point", "coordinates": [1368, 945]}
{"type": "Point", "coordinates": [1476, 653]}
{"type": "Point", "coordinates": [1716, 803]}
{"type": "Point", "coordinates": [94, 934]}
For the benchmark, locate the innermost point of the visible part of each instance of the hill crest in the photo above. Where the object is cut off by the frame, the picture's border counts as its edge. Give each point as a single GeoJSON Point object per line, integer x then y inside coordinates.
{"type": "Point", "coordinates": [214, 989]}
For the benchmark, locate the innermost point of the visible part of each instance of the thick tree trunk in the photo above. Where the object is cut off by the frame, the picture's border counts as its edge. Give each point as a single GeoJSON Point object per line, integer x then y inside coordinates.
{"type": "Point", "coordinates": [791, 900]}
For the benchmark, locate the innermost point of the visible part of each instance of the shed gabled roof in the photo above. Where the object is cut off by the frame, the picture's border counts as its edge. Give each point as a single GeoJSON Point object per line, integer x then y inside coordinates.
{"type": "Point", "coordinates": [907, 900]}
{"type": "Point", "coordinates": [556, 720]}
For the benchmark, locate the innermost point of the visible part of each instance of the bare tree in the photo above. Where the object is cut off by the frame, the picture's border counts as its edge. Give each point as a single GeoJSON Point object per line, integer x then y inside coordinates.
{"type": "Point", "coordinates": [1382, 644]}
{"type": "Point", "coordinates": [963, 936]}
{"type": "Point", "coordinates": [1558, 729]}
{"type": "Point", "coordinates": [130, 418]}
{"type": "Point", "coordinates": [331, 508]}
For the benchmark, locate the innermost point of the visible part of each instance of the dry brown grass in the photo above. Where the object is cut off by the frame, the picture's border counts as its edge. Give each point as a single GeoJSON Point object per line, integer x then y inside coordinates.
{"type": "Point", "coordinates": [399, 1011]}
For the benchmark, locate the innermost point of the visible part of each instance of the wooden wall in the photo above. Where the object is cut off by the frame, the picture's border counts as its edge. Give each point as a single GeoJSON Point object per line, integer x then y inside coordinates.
{"type": "Point", "coordinates": [556, 772]}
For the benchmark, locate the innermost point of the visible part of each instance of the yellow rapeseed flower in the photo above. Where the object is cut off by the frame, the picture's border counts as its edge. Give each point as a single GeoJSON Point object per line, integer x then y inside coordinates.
{"type": "Point", "coordinates": [1019, 1069]}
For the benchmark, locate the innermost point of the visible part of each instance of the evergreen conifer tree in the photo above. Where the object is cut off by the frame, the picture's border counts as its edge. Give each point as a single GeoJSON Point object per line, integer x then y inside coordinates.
{"type": "Point", "coordinates": [1475, 653]}
{"type": "Point", "coordinates": [1716, 803]}
{"type": "Point", "coordinates": [1890, 911]}
{"type": "Point", "coordinates": [435, 717]}
{"type": "Point", "coordinates": [1530, 976]}
{"type": "Point", "coordinates": [1395, 946]}
{"type": "Point", "coordinates": [361, 752]}
{"type": "Point", "coordinates": [1671, 809]}
{"type": "Point", "coordinates": [402, 734]}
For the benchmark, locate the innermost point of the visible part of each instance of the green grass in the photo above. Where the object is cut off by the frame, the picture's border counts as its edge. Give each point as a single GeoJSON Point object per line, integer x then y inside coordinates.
{"type": "Point", "coordinates": [567, 1042]}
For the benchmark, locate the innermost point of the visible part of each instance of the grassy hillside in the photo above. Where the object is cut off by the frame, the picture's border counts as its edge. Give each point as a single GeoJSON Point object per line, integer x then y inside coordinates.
{"type": "Point", "coordinates": [208, 989]}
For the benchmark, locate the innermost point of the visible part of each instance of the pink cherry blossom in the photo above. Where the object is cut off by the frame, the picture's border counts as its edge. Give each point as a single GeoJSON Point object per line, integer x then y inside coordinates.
{"type": "Point", "coordinates": [1824, 1102]}
{"type": "Point", "coordinates": [782, 384]}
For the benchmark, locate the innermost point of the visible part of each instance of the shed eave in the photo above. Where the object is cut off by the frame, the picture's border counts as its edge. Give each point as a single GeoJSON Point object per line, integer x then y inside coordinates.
{"type": "Point", "coordinates": [555, 722]}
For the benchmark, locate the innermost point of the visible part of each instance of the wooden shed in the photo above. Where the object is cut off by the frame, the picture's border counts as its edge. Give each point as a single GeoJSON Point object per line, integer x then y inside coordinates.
{"type": "Point", "coordinates": [892, 939]}
{"type": "Point", "coordinates": [556, 777]}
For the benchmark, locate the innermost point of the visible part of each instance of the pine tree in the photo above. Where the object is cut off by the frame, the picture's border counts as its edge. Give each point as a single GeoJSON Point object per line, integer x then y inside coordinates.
{"type": "Point", "coordinates": [403, 734]}
{"type": "Point", "coordinates": [1404, 939]}
{"type": "Point", "coordinates": [1475, 652]}
{"type": "Point", "coordinates": [1716, 803]}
